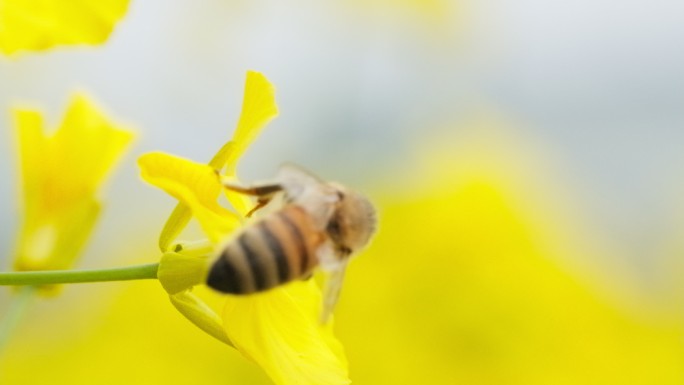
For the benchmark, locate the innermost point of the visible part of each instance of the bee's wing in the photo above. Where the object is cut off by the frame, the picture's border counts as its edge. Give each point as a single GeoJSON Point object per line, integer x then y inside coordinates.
{"type": "Point", "coordinates": [331, 289]}
{"type": "Point", "coordinates": [293, 176]}
{"type": "Point", "coordinates": [308, 191]}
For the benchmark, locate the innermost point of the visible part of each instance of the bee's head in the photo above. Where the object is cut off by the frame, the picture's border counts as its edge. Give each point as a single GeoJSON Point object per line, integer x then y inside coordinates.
{"type": "Point", "coordinates": [352, 223]}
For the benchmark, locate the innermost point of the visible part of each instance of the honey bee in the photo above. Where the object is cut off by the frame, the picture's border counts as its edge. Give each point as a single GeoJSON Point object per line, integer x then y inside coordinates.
{"type": "Point", "coordinates": [317, 224]}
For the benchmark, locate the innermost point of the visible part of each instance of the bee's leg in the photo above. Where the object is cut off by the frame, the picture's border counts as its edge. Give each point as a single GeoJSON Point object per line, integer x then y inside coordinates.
{"type": "Point", "coordinates": [264, 194]}
{"type": "Point", "coordinates": [267, 190]}
{"type": "Point", "coordinates": [261, 202]}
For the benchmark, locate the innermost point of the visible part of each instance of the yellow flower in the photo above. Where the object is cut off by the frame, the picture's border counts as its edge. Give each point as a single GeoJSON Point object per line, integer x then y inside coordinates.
{"type": "Point", "coordinates": [36, 25]}
{"type": "Point", "coordinates": [278, 329]}
{"type": "Point", "coordinates": [60, 176]}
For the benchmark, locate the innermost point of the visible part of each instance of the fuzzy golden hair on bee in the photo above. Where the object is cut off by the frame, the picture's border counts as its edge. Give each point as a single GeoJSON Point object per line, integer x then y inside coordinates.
{"type": "Point", "coordinates": [317, 224]}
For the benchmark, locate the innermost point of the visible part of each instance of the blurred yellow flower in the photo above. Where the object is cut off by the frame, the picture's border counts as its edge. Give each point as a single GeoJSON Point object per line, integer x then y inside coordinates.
{"type": "Point", "coordinates": [432, 13]}
{"type": "Point", "coordinates": [484, 275]}
{"type": "Point", "coordinates": [35, 25]}
{"type": "Point", "coordinates": [60, 175]}
{"type": "Point", "coordinates": [278, 329]}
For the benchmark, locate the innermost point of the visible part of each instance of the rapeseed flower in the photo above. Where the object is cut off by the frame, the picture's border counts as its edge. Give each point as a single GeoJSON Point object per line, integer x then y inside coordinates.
{"type": "Point", "coordinates": [60, 177]}
{"type": "Point", "coordinates": [278, 329]}
{"type": "Point", "coordinates": [36, 25]}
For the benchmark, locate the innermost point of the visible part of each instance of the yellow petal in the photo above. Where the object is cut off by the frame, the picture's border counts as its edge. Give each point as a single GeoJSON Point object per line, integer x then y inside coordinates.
{"type": "Point", "coordinates": [38, 25]}
{"type": "Point", "coordinates": [279, 330]}
{"type": "Point", "coordinates": [64, 168]}
{"type": "Point", "coordinates": [258, 108]}
{"type": "Point", "coordinates": [195, 185]}
{"type": "Point", "coordinates": [32, 144]}
{"type": "Point", "coordinates": [220, 158]}
{"type": "Point", "coordinates": [240, 202]}
{"type": "Point", "coordinates": [56, 242]}
{"type": "Point", "coordinates": [178, 220]}
{"type": "Point", "coordinates": [60, 176]}
{"type": "Point", "coordinates": [181, 215]}
{"type": "Point", "coordinates": [200, 314]}
{"type": "Point", "coordinates": [86, 133]}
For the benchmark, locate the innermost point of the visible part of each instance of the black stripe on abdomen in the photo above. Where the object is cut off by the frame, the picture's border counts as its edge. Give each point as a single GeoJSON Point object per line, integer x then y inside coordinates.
{"type": "Point", "coordinates": [254, 262]}
{"type": "Point", "coordinates": [277, 252]}
{"type": "Point", "coordinates": [224, 277]}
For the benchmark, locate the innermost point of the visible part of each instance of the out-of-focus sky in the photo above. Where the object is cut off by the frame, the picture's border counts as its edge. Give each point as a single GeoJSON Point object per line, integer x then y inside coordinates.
{"type": "Point", "coordinates": [586, 98]}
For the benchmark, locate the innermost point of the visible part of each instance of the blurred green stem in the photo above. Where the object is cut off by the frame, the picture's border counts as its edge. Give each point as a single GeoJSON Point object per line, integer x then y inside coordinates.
{"type": "Point", "coordinates": [31, 279]}
{"type": "Point", "coordinates": [47, 277]}
{"type": "Point", "coordinates": [16, 311]}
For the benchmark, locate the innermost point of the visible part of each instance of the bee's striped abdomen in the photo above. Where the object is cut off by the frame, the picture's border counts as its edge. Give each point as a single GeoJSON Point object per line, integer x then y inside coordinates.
{"type": "Point", "coordinates": [276, 250]}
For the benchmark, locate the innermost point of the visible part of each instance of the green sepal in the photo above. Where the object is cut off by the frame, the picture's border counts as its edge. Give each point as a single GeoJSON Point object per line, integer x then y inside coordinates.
{"type": "Point", "coordinates": [200, 314]}
{"type": "Point", "coordinates": [178, 271]}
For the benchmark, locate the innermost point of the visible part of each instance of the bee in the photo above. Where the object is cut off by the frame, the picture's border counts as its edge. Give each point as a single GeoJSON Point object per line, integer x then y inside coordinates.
{"type": "Point", "coordinates": [317, 224]}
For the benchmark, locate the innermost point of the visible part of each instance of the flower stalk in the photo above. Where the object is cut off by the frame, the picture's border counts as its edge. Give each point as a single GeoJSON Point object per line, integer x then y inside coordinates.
{"type": "Point", "coordinates": [50, 277]}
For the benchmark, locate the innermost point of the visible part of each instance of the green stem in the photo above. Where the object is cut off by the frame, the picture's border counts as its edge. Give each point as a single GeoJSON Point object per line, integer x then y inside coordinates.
{"type": "Point", "coordinates": [49, 277]}
{"type": "Point", "coordinates": [14, 314]}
